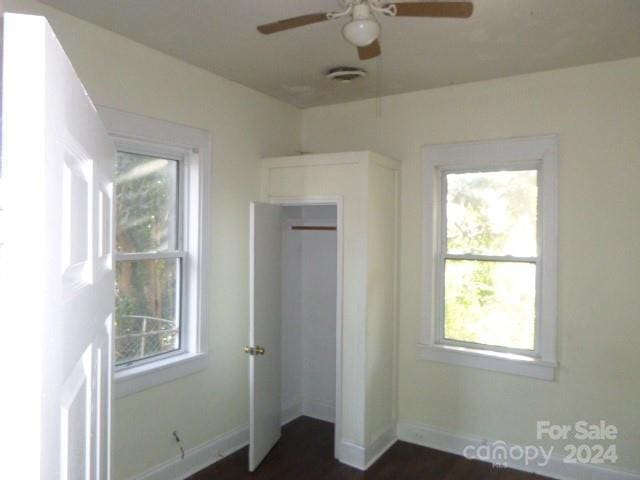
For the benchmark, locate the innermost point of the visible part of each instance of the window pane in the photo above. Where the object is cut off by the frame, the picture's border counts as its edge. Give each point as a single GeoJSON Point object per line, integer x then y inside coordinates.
{"type": "Point", "coordinates": [492, 213]}
{"type": "Point", "coordinates": [147, 322]}
{"type": "Point", "coordinates": [146, 203]}
{"type": "Point", "coordinates": [491, 303]}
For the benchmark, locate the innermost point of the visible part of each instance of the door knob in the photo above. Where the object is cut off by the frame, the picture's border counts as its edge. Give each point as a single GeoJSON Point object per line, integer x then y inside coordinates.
{"type": "Point", "coordinates": [257, 350]}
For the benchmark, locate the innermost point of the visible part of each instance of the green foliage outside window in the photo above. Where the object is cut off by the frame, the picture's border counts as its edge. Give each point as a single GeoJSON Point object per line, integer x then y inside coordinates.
{"type": "Point", "coordinates": [491, 214]}
{"type": "Point", "coordinates": [146, 290]}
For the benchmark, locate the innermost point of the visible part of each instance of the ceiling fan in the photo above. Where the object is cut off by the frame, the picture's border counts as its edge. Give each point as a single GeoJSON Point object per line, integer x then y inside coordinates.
{"type": "Point", "coordinates": [363, 30]}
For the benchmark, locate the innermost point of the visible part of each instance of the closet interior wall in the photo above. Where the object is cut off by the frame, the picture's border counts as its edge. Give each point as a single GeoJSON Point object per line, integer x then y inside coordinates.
{"type": "Point", "coordinates": [309, 260]}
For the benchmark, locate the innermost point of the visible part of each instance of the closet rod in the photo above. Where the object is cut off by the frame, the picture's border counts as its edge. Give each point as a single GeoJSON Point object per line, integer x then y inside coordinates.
{"type": "Point", "coordinates": [310, 227]}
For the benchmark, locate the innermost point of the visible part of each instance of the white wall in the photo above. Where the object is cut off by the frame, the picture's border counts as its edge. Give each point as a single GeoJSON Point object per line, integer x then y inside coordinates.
{"type": "Point", "coordinates": [292, 325]}
{"type": "Point", "coordinates": [245, 126]}
{"type": "Point", "coordinates": [319, 323]}
{"type": "Point", "coordinates": [595, 110]}
{"type": "Point", "coordinates": [309, 315]}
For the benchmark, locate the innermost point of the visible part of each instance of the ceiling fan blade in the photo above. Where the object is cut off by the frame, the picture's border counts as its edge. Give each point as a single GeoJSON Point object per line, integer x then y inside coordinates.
{"type": "Point", "coordinates": [370, 51]}
{"type": "Point", "coordinates": [293, 22]}
{"type": "Point", "coordinates": [434, 9]}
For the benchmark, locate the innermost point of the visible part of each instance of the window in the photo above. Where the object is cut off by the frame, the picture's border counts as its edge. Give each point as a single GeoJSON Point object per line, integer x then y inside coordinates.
{"type": "Point", "coordinates": [160, 238]}
{"type": "Point", "coordinates": [490, 255]}
{"type": "Point", "coordinates": [149, 257]}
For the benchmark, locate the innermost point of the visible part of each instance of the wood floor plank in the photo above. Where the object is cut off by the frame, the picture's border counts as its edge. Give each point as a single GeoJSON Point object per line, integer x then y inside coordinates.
{"type": "Point", "coordinates": [305, 452]}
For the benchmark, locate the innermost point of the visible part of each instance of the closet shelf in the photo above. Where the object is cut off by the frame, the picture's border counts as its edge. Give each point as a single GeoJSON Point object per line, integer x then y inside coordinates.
{"type": "Point", "coordinates": [311, 227]}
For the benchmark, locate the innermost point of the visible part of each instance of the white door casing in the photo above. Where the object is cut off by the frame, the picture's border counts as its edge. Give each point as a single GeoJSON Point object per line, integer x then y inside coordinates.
{"type": "Point", "coordinates": [264, 330]}
{"type": "Point", "coordinates": [57, 278]}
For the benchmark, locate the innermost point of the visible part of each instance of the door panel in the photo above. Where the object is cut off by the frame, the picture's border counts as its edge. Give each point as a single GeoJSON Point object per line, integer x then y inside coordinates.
{"type": "Point", "coordinates": [56, 272]}
{"type": "Point", "coordinates": [75, 415]}
{"type": "Point", "coordinates": [264, 330]}
{"type": "Point", "coordinates": [76, 217]}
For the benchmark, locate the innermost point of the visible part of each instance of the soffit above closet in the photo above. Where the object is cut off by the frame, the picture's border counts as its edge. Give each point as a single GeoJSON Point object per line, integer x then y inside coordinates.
{"type": "Point", "coordinates": [310, 212]}
{"type": "Point", "coordinates": [502, 38]}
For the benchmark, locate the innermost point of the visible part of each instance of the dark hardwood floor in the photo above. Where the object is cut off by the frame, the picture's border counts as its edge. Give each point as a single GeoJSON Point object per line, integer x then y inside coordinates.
{"type": "Point", "coordinates": [305, 452]}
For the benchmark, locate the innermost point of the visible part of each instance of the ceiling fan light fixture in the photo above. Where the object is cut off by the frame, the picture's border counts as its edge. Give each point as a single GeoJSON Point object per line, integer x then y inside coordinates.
{"type": "Point", "coordinates": [363, 28]}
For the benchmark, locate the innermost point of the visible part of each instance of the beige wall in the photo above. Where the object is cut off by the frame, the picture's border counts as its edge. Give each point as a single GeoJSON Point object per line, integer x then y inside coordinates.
{"type": "Point", "coordinates": [382, 206]}
{"type": "Point", "coordinates": [596, 112]}
{"type": "Point", "coordinates": [245, 127]}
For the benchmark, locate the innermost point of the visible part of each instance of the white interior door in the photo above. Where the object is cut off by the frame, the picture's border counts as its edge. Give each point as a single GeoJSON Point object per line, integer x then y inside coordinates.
{"type": "Point", "coordinates": [264, 330]}
{"type": "Point", "coordinates": [56, 275]}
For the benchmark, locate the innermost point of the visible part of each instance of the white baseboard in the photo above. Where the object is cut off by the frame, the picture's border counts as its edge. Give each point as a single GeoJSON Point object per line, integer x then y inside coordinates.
{"type": "Point", "coordinates": [361, 457]}
{"type": "Point", "coordinates": [438, 439]}
{"type": "Point", "coordinates": [380, 445]}
{"type": "Point", "coordinates": [199, 457]}
{"type": "Point", "coordinates": [308, 408]}
{"type": "Point", "coordinates": [352, 454]}
{"type": "Point", "coordinates": [318, 410]}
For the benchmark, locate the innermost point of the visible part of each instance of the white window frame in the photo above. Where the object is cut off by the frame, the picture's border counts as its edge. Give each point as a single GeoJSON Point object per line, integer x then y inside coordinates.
{"type": "Point", "coordinates": [192, 148]}
{"type": "Point", "coordinates": [528, 153]}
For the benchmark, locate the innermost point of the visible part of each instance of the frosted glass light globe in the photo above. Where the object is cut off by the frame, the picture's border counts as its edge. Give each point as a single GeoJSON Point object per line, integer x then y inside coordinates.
{"type": "Point", "coordinates": [361, 32]}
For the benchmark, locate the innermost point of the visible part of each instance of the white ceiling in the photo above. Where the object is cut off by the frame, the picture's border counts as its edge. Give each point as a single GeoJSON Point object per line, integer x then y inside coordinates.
{"type": "Point", "coordinates": [502, 38]}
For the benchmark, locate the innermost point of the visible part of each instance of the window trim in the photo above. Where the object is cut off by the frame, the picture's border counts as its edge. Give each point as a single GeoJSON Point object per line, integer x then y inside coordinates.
{"type": "Point", "coordinates": [131, 132]}
{"type": "Point", "coordinates": [539, 152]}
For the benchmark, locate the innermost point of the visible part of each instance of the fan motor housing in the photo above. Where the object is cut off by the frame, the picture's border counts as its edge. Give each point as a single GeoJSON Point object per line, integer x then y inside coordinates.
{"type": "Point", "coordinates": [345, 74]}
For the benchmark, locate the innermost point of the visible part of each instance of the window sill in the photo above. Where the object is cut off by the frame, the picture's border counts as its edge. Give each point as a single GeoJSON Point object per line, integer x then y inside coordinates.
{"type": "Point", "coordinates": [142, 377]}
{"type": "Point", "coordinates": [486, 360]}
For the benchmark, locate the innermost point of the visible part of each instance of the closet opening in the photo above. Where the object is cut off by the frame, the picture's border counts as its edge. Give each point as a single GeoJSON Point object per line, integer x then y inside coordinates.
{"type": "Point", "coordinates": [309, 304]}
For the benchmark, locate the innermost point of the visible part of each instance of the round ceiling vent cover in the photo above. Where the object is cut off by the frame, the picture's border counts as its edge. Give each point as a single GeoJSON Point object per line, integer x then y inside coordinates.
{"type": "Point", "coordinates": [345, 74]}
